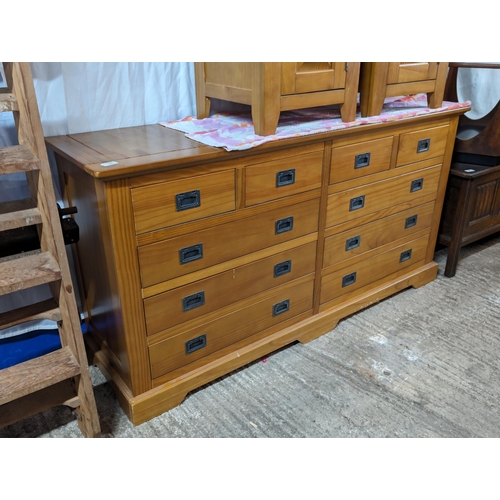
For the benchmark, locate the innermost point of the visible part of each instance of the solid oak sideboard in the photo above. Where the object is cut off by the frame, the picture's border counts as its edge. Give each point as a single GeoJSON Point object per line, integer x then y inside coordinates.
{"type": "Point", "coordinates": [194, 261]}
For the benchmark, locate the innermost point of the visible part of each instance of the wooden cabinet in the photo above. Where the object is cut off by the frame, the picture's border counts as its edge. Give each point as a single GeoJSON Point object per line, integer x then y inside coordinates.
{"type": "Point", "coordinates": [195, 261]}
{"type": "Point", "coordinates": [270, 88]}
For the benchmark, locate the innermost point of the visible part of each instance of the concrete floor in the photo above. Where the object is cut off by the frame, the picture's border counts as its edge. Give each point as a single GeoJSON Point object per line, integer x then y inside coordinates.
{"type": "Point", "coordinates": [421, 364]}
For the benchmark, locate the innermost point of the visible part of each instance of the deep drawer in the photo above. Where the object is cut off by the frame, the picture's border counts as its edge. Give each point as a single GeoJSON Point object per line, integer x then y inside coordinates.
{"type": "Point", "coordinates": [189, 346]}
{"type": "Point", "coordinates": [362, 239]}
{"type": "Point", "coordinates": [353, 203]}
{"type": "Point", "coordinates": [372, 269]}
{"type": "Point", "coordinates": [360, 159]}
{"type": "Point", "coordinates": [279, 178]}
{"type": "Point", "coordinates": [422, 144]}
{"type": "Point", "coordinates": [174, 202]}
{"type": "Point", "coordinates": [190, 301]}
{"type": "Point", "coordinates": [182, 255]}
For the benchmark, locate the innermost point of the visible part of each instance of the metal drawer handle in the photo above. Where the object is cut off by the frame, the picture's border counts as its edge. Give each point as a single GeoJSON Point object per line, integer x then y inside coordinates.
{"type": "Point", "coordinates": [285, 177]}
{"type": "Point", "coordinates": [411, 221]}
{"type": "Point", "coordinates": [185, 201]}
{"type": "Point", "coordinates": [362, 160]}
{"type": "Point", "coordinates": [196, 344]}
{"type": "Point", "coordinates": [188, 254]}
{"type": "Point", "coordinates": [406, 255]}
{"type": "Point", "coordinates": [284, 225]}
{"type": "Point", "coordinates": [357, 203]}
{"type": "Point", "coordinates": [423, 145]}
{"type": "Point", "coordinates": [281, 307]}
{"type": "Point", "coordinates": [282, 268]}
{"type": "Point", "coordinates": [193, 301]}
{"type": "Point", "coordinates": [416, 185]}
{"type": "Point", "coordinates": [352, 243]}
{"type": "Point", "coordinates": [348, 279]}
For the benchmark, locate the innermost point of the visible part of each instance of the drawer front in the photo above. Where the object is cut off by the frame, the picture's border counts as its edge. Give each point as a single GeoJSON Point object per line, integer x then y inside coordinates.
{"type": "Point", "coordinates": [360, 159]}
{"type": "Point", "coordinates": [175, 202]}
{"type": "Point", "coordinates": [188, 302]}
{"type": "Point", "coordinates": [354, 203]}
{"type": "Point", "coordinates": [182, 255]}
{"type": "Point", "coordinates": [343, 246]}
{"type": "Point", "coordinates": [189, 346]}
{"type": "Point", "coordinates": [372, 269]}
{"type": "Point", "coordinates": [422, 144]}
{"type": "Point", "coordinates": [279, 178]}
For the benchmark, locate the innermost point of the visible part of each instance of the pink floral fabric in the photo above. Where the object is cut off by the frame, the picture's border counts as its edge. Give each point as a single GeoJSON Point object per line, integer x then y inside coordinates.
{"type": "Point", "coordinates": [235, 132]}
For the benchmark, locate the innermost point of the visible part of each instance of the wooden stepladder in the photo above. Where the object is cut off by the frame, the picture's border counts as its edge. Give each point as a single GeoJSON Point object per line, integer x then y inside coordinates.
{"type": "Point", "coordinates": [62, 376]}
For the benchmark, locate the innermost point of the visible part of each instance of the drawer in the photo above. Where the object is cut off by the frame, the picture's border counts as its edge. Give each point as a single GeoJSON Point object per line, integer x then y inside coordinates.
{"type": "Point", "coordinates": [360, 159]}
{"type": "Point", "coordinates": [357, 241]}
{"type": "Point", "coordinates": [188, 302]}
{"type": "Point", "coordinates": [372, 269]}
{"type": "Point", "coordinates": [421, 145]}
{"type": "Point", "coordinates": [279, 178]}
{"type": "Point", "coordinates": [182, 255]}
{"type": "Point", "coordinates": [353, 203]}
{"type": "Point", "coordinates": [175, 202]}
{"type": "Point", "coordinates": [191, 345]}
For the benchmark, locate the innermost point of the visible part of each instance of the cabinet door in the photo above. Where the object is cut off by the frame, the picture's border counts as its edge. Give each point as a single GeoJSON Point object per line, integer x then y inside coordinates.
{"type": "Point", "coordinates": [404, 72]}
{"type": "Point", "coordinates": [302, 77]}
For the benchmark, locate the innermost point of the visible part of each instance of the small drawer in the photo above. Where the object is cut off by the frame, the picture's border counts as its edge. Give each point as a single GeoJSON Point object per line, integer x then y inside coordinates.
{"type": "Point", "coordinates": [422, 144]}
{"type": "Point", "coordinates": [182, 255]}
{"type": "Point", "coordinates": [191, 345]}
{"type": "Point", "coordinates": [190, 301]}
{"type": "Point", "coordinates": [284, 177]}
{"type": "Point", "coordinates": [368, 271]}
{"type": "Point", "coordinates": [354, 203]}
{"type": "Point", "coordinates": [169, 203]}
{"type": "Point", "coordinates": [362, 239]}
{"type": "Point", "coordinates": [360, 159]}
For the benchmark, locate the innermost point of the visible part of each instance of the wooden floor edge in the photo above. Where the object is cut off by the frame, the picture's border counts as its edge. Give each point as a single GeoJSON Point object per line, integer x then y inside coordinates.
{"type": "Point", "coordinates": [169, 395]}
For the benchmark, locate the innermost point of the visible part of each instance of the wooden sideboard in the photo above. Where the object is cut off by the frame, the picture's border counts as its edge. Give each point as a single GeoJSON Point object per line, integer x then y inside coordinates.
{"type": "Point", "coordinates": [194, 261]}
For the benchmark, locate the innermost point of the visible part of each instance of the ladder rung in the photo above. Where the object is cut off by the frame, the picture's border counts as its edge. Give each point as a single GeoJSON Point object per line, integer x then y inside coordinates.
{"type": "Point", "coordinates": [46, 309]}
{"type": "Point", "coordinates": [8, 101]}
{"type": "Point", "coordinates": [31, 376]}
{"type": "Point", "coordinates": [27, 272]}
{"type": "Point", "coordinates": [15, 159]}
{"type": "Point", "coordinates": [19, 213]}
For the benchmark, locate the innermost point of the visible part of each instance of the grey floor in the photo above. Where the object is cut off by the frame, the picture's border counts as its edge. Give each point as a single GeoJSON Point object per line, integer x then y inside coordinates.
{"type": "Point", "coordinates": [421, 364]}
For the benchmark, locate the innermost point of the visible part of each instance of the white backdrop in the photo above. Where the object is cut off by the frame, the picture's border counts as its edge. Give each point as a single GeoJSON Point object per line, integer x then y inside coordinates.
{"type": "Point", "coordinates": [83, 97]}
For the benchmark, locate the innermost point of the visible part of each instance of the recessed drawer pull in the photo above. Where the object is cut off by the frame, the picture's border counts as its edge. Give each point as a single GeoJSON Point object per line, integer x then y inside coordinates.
{"type": "Point", "coordinates": [362, 160]}
{"type": "Point", "coordinates": [196, 343]}
{"type": "Point", "coordinates": [284, 225]}
{"type": "Point", "coordinates": [406, 255]}
{"type": "Point", "coordinates": [282, 268]}
{"type": "Point", "coordinates": [423, 145]}
{"type": "Point", "coordinates": [357, 203]}
{"type": "Point", "coordinates": [193, 301]}
{"type": "Point", "coordinates": [352, 243]}
{"type": "Point", "coordinates": [348, 279]}
{"type": "Point", "coordinates": [411, 221]}
{"type": "Point", "coordinates": [185, 201]}
{"type": "Point", "coordinates": [285, 177]}
{"type": "Point", "coordinates": [281, 307]}
{"type": "Point", "coordinates": [188, 254]}
{"type": "Point", "coordinates": [417, 185]}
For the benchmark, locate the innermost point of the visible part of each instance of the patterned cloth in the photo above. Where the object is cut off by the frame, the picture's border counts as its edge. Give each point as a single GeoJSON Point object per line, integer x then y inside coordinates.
{"type": "Point", "coordinates": [235, 131]}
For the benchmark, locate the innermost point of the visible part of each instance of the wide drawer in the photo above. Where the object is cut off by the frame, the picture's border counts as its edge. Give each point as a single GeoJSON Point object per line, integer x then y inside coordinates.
{"type": "Point", "coordinates": [190, 301]}
{"type": "Point", "coordinates": [348, 244]}
{"type": "Point", "coordinates": [422, 144]}
{"type": "Point", "coordinates": [279, 178]}
{"type": "Point", "coordinates": [182, 255]}
{"type": "Point", "coordinates": [372, 269]}
{"type": "Point", "coordinates": [228, 329]}
{"type": "Point", "coordinates": [354, 203]}
{"type": "Point", "coordinates": [360, 159]}
{"type": "Point", "coordinates": [169, 203]}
